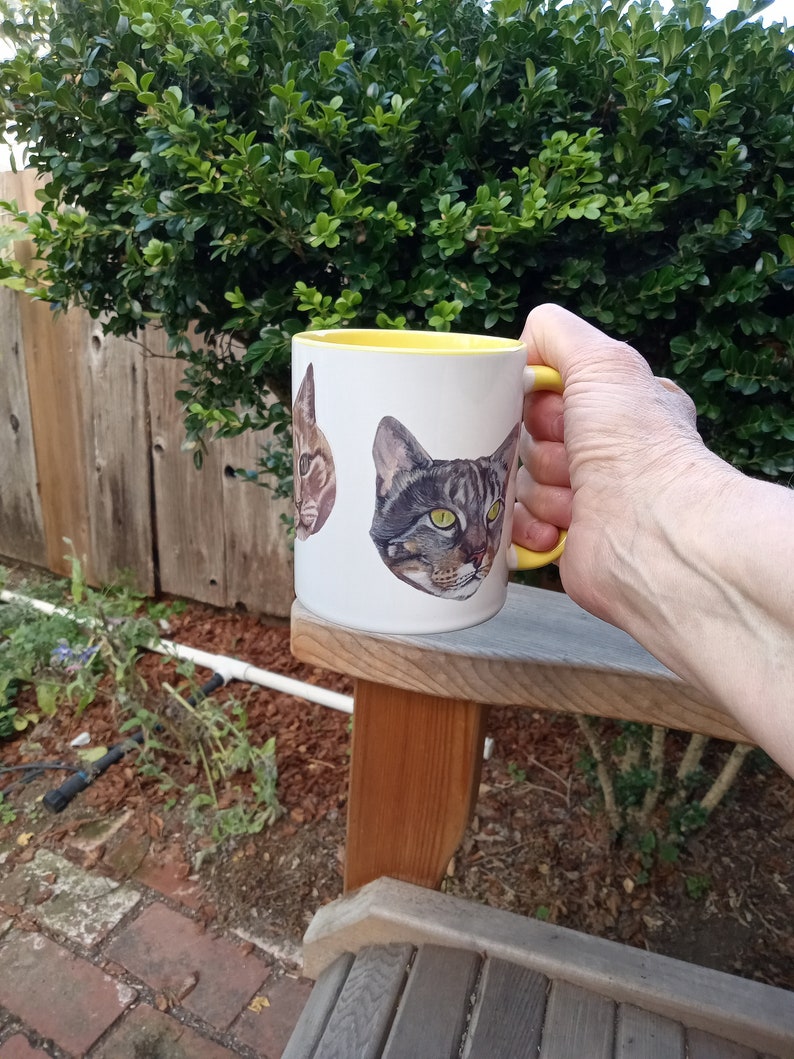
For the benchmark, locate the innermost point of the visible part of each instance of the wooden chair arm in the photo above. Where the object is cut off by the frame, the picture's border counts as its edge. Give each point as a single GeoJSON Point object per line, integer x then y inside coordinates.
{"type": "Point", "coordinates": [541, 651]}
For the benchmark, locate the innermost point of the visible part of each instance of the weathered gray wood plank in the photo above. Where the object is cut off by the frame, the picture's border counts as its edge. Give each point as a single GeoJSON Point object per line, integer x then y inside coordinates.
{"type": "Point", "coordinates": [117, 466]}
{"type": "Point", "coordinates": [258, 556]}
{"type": "Point", "coordinates": [759, 1016]}
{"type": "Point", "coordinates": [317, 1011]}
{"type": "Point", "coordinates": [578, 1023]}
{"type": "Point", "coordinates": [57, 382]}
{"type": "Point", "coordinates": [507, 1019]}
{"type": "Point", "coordinates": [642, 1035]}
{"type": "Point", "coordinates": [541, 651]}
{"type": "Point", "coordinates": [360, 1022]}
{"type": "Point", "coordinates": [190, 525]}
{"type": "Point", "coordinates": [432, 1013]}
{"type": "Point", "coordinates": [702, 1045]}
{"type": "Point", "coordinates": [21, 526]}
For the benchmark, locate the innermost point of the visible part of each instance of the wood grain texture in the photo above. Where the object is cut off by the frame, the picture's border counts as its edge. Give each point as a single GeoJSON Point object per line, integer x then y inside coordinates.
{"type": "Point", "coordinates": [507, 1019]}
{"type": "Point", "coordinates": [21, 525]}
{"type": "Point", "coordinates": [541, 651]}
{"type": "Point", "coordinates": [414, 773]}
{"type": "Point", "coordinates": [362, 1017]}
{"type": "Point", "coordinates": [190, 522]}
{"type": "Point", "coordinates": [117, 463]}
{"type": "Point", "coordinates": [219, 538]}
{"type": "Point", "coordinates": [702, 1045]}
{"type": "Point", "coordinates": [433, 1010]}
{"type": "Point", "coordinates": [578, 1023]}
{"type": "Point", "coordinates": [758, 1016]}
{"type": "Point", "coordinates": [317, 1011]}
{"type": "Point", "coordinates": [642, 1035]}
{"type": "Point", "coordinates": [57, 382]}
{"type": "Point", "coordinates": [258, 556]}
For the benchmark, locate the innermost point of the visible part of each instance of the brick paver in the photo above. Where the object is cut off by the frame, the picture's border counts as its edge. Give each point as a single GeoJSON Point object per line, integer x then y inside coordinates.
{"type": "Point", "coordinates": [57, 994]}
{"type": "Point", "coordinates": [168, 951]}
{"type": "Point", "coordinates": [51, 993]}
{"type": "Point", "coordinates": [146, 1033]}
{"type": "Point", "coordinates": [268, 1028]}
{"type": "Point", "coordinates": [66, 899]}
{"type": "Point", "coordinates": [19, 1047]}
{"type": "Point", "coordinates": [167, 873]}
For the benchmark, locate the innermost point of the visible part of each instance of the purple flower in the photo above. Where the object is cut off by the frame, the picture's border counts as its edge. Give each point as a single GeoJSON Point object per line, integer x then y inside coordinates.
{"type": "Point", "coordinates": [64, 655]}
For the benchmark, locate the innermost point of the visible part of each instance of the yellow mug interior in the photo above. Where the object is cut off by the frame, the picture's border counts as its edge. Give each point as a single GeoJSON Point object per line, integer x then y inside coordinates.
{"type": "Point", "coordinates": [436, 343]}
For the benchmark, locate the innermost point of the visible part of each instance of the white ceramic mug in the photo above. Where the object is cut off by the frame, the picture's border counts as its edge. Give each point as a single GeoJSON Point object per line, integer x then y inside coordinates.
{"type": "Point", "coordinates": [405, 453]}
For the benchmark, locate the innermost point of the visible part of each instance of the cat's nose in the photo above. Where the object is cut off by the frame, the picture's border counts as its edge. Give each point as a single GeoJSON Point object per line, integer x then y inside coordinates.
{"type": "Point", "coordinates": [476, 558]}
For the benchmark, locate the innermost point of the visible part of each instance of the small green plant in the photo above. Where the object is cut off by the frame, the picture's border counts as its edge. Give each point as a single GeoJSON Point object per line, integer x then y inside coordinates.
{"type": "Point", "coordinates": [89, 647]}
{"type": "Point", "coordinates": [7, 813]}
{"type": "Point", "coordinates": [214, 737]}
{"type": "Point", "coordinates": [651, 848]}
{"type": "Point", "coordinates": [650, 799]}
{"type": "Point", "coordinates": [697, 886]}
{"type": "Point", "coordinates": [65, 654]}
{"type": "Point", "coordinates": [516, 774]}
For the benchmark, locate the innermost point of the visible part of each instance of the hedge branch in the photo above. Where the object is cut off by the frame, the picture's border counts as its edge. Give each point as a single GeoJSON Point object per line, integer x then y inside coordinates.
{"type": "Point", "coordinates": [689, 763]}
{"type": "Point", "coordinates": [631, 758]}
{"type": "Point", "coordinates": [656, 765]}
{"type": "Point", "coordinates": [596, 745]}
{"type": "Point", "coordinates": [728, 773]}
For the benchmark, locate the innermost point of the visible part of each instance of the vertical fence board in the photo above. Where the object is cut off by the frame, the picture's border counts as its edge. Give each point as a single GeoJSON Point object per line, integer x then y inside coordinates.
{"type": "Point", "coordinates": [56, 380]}
{"type": "Point", "coordinates": [258, 557]}
{"type": "Point", "coordinates": [117, 444]}
{"type": "Point", "coordinates": [21, 527]}
{"type": "Point", "coordinates": [56, 383]}
{"type": "Point", "coordinates": [190, 538]}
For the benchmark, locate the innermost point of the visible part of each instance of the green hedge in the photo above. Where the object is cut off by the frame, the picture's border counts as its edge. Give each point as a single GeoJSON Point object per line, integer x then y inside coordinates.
{"type": "Point", "coordinates": [263, 166]}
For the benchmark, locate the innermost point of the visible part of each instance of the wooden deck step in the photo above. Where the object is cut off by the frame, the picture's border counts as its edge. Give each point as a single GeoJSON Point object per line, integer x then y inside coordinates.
{"type": "Point", "coordinates": [408, 973]}
{"type": "Point", "coordinates": [433, 1002]}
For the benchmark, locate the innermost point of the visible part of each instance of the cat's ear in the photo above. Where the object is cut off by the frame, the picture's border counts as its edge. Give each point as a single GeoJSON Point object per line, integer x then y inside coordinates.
{"type": "Point", "coordinates": [395, 449]}
{"type": "Point", "coordinates": [506, 452]}
{"type": "Point", "coordinates": [304, 402]}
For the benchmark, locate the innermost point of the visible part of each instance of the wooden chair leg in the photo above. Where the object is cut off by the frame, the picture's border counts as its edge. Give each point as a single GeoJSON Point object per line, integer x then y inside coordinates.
{"type": "Point", "coordinates": [414, 778]}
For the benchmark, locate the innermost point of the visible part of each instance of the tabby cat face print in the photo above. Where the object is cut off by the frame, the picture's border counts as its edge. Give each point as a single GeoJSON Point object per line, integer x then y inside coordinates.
{"type": "Point", "coordinates": [314, 475]}
{"type": "Point", "coordinates": [438, 523]}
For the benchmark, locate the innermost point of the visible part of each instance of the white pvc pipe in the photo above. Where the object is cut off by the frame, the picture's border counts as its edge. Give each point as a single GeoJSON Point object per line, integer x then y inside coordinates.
{"type": "Point", "coordinates": [228, 668]}
{"type": "Point", "coordinates": [234, 669]}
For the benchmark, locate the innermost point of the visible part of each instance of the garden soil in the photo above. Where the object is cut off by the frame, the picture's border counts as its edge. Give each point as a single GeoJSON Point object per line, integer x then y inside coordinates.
{"type": "Point", "coordinates": [538, 843]}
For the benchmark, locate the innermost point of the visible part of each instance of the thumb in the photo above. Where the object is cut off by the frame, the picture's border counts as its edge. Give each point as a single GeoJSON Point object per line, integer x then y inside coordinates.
{"type": "Point", "coordinates": [566, 342]}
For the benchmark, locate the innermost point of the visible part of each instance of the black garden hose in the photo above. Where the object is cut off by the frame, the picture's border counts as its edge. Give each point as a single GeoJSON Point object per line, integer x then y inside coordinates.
{"type": "Point", "coordinates": [57, 800]}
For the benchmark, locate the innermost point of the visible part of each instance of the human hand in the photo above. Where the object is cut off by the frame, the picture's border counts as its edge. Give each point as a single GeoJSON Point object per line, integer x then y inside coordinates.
{"type": "Point", "coordinates": [612, 460]}
{"type": "Point", "coordinates": [665, 540]}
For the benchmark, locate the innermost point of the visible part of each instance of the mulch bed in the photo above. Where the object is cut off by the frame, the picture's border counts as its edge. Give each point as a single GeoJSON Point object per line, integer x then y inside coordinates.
{"type": "Point", "coordinates": [537, 845]}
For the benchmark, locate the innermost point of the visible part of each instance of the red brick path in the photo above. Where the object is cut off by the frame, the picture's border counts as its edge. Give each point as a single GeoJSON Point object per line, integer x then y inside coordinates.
{"type": "Point", "coordinates": [156, 983]}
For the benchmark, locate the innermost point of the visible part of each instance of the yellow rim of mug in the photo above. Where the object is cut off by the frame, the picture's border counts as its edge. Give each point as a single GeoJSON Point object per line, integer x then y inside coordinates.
{"type": "Point", "coordinates": [432, 343]}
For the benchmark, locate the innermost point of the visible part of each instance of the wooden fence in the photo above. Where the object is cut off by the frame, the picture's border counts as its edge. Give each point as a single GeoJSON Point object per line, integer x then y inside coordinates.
{"type": "Point", "coordinates": [90, 450]}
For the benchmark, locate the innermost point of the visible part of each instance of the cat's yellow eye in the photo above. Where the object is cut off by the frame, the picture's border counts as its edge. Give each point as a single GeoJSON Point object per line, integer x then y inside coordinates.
{"type": "Point", "coordinates": [442, 518]}
{"type": "Point", "coordinates": [493, 511]}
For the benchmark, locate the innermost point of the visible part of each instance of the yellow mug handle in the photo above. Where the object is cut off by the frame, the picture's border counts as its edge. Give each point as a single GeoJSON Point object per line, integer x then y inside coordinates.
{"type": "Point", "coordinates": [537, 377]}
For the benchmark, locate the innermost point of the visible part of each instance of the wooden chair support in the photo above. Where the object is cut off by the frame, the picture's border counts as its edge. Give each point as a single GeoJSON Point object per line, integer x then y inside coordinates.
{"type": "Point", "coordinates": [420, 711]}
{"type": "Point", "coordinates": [414, 776]}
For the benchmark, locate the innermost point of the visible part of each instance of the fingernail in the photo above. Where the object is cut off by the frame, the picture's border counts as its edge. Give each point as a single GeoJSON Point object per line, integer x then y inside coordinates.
{"type": "Point", "coordinates": [558, 428]}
